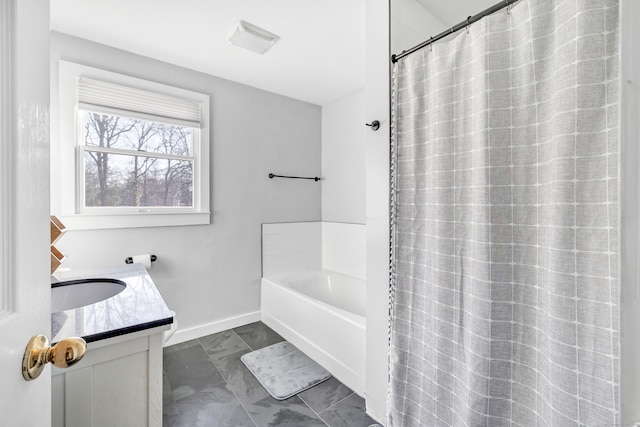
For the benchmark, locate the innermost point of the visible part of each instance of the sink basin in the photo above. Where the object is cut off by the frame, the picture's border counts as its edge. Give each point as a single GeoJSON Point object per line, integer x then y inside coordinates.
{"type": "Point", "coordinates": [78, 293]}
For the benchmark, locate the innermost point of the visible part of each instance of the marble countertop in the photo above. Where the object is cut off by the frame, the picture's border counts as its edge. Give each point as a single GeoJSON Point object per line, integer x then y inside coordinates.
{"type": "Point", "coordinates": [140, 306]}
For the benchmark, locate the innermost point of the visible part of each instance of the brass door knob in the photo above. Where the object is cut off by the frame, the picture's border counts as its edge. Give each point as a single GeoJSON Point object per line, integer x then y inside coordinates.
{"type": "Point", "coordinates": [38, 353]}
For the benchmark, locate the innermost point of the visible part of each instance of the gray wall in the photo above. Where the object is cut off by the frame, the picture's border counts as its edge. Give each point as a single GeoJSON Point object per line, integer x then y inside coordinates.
{"type": "Point", "coordinates": [212, 272]}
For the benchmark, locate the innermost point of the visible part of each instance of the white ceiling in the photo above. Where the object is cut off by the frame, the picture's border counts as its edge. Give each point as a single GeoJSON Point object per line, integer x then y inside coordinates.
{"type": "Point", "coordinates": [320, 56]}
{"type": "Point", "coordinates": [452, 12]}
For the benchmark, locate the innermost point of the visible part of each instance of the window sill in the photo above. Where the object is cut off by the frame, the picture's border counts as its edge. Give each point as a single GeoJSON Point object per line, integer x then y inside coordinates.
{"type": "Point", "coordinates": [102, 222]}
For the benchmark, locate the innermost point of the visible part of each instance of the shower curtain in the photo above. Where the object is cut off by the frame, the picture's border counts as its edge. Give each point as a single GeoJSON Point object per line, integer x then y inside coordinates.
{"type": "Point", "coordinates": [504, 287]}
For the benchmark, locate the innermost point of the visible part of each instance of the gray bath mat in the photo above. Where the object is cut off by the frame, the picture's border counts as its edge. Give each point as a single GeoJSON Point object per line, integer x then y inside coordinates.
{"type": "Point", "coordinates": [284, 370]}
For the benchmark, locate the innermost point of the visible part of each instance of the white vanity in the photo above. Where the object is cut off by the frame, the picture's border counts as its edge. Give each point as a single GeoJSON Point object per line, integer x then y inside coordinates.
{"type": "Point", "coordinates": [119, 380]}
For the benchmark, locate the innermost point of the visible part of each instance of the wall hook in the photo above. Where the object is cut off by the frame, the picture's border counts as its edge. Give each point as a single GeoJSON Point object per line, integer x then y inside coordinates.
{"type": "Point", "coordinates": [375, 125]}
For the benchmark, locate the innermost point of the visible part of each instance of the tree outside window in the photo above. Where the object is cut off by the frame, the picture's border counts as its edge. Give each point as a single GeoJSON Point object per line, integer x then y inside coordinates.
{"type": "Point", "coordinates": [132, 162]}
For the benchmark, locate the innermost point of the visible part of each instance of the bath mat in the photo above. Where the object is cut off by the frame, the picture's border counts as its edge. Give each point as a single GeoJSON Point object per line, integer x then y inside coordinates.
{"type": "Point", "coordinates": [284, 370]}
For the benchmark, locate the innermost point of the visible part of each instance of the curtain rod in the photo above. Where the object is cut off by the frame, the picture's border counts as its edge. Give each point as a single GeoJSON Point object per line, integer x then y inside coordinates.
{"type": "Point", "coordinates": [464, 24]}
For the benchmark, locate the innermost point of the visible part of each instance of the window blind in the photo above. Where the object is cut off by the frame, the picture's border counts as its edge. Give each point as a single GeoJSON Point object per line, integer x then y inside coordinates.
{"type": "Point", "coordinates": [100, 96]}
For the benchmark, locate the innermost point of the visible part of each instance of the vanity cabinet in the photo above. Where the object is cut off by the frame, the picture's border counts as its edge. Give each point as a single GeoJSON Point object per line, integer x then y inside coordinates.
{"type": "Point", "coordinates": [117, 383]}
{"type": "Point", "coordinates": [119, 380]}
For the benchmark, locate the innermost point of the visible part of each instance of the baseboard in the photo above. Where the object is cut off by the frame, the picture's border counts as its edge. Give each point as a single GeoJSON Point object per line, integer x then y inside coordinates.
{"type": "Point", "coordinates": [194, 332]}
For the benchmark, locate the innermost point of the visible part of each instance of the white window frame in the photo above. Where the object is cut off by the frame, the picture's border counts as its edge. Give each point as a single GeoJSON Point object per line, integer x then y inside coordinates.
{"type": "Point", "coordinates": [67, 157]}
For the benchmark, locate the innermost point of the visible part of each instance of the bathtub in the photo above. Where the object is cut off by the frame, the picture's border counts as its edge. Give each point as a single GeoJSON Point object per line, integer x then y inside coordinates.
{"type": "Point", "coordinates": [323, 314]}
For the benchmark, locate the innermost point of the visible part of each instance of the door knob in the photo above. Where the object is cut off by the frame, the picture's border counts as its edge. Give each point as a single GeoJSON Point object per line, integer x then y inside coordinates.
{"type": "Point", "coordinates": [38, 353]}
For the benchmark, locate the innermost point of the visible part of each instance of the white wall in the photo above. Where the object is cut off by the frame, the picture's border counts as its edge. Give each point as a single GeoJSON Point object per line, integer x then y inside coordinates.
{"type": "Point", "coordinates": [377, 165]}
{"type": "Point", "coordinates": [344, 248]}
{"type": "Point", "coordinates": [291, 247]}
{"type": "Point", "coordinates": [343, 159]}
{"type": "Point", "coordinates": [630, 214]}
{"type": "Point", "coordinates": [211, 273]}
{"type": "Point", "coordinates": [411, 24]}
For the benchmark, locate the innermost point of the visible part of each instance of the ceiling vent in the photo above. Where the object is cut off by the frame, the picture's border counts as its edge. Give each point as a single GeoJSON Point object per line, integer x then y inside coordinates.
{"type": "Point", "coordinates": [251, 37]}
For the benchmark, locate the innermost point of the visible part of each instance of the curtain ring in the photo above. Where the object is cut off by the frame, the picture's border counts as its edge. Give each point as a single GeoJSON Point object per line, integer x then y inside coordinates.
{"type": "Point", "coordinates": [468, 23]}
{"type": "Point", "coordinates": [508, 7]}
{"type": "Point", "coordinates": [431, 43]}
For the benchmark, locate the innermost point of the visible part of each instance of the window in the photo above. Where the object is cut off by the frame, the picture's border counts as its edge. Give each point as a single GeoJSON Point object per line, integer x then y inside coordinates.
{"type": "Point", "coordinates": [135, 163]}
{"type": "Point", "coordinates": [131, 153]}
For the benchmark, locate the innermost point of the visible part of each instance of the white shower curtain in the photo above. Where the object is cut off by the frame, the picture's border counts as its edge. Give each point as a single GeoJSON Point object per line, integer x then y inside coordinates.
{"type": "Point", "coordinates": [504, 290]}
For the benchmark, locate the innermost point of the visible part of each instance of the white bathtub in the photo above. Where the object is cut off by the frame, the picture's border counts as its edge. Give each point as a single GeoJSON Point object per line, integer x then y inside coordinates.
{"type": "Point", "coordinates": [323, 314]}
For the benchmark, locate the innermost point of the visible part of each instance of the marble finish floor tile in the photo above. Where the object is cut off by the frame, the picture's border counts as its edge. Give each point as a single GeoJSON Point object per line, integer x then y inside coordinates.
{"type": "Point", "coordinates": [168, 402]}
{"type": "Point", "coordinates": [222, 344]}
{"type": "Point", "coordinates": [291, 412]}
{"type": "Point", "coordinates": [350, 412]}
{"type": "Point", "coordinates": [182, 346]}
{"type": "Point", "coordinates": [257, 335]}
{"type": "Point", "coordinates": [240, 380]}
{"type": "Point", "coordinates": [206, 384]}
{"type": "Point", "coordinates": [325, 394]}
{"type": "Point", "coordinates": [214, 406]}
{"type": "Point", "coordinates": [189, 370]}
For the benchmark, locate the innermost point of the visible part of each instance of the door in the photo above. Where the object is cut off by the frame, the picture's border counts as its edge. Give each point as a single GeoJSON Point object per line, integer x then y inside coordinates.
{"type": "Point", "coordinates": [24, 206]}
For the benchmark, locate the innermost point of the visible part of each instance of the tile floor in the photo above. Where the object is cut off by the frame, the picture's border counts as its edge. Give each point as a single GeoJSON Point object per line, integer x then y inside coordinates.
{"type": "Point", "coordinates": [206, 384]}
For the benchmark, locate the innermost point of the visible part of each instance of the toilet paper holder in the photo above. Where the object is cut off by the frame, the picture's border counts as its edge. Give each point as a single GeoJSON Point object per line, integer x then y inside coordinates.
{"type": "Point", "coordinates": [129, 260]}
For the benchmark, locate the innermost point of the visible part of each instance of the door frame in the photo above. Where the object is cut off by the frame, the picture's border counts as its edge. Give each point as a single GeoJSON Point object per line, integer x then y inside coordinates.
{"type": "Point", "coordinates": [25, 291]}
{"type": "Point", "coordinates": [7, 170]}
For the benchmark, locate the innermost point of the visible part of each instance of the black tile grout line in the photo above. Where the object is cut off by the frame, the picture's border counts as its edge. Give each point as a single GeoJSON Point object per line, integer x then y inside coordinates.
{"type": "Point", "coordinates": [199, 344]}
{"type": "Point", "coordinates": [236, 396]}
{"type": "Point", "coordinates": [298, 395]}
{"type": "Point", "coordinates": [175, 404]}
{"type": "Point", "coordinates": [225, 380]}
{"type": "Point", "coordinates": [318, 414]}
{"type": "Point", "coordinates": [335, 404]}
{"type": "Point", "coordinates": [242, 339]}
{"type": "Point", "coordinates": [172, 398]}
{"type": "Point", "coordinates": [243, 407]}
{"type": "Point", "coordinates": [312, 410]}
